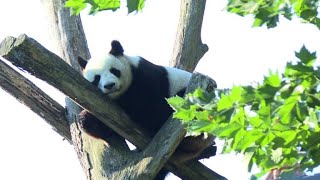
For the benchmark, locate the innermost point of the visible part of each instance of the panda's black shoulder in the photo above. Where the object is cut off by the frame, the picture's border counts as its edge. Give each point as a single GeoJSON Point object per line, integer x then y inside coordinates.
{"type": "Point", "coordinates": [146, 67]}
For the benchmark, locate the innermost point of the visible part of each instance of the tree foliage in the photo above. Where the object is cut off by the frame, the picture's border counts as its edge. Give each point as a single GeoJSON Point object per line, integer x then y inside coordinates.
{"type": "Point", "coordinates": [275, 122]}
{"type": "Point", "coordinates": [100, 5]}
{"type": "Point", "coordinates": [267, 12]}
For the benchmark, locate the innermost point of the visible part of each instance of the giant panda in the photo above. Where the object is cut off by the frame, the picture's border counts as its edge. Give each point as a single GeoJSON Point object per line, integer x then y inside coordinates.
{"type": "Point", "coordinates": [140, 88]}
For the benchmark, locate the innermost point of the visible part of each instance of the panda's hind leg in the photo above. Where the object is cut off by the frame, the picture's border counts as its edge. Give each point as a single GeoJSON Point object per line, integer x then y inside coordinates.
{"type": "Point", "coordinates": [93, 126]}
{"type": "Point", "coordinates": [195, 147]}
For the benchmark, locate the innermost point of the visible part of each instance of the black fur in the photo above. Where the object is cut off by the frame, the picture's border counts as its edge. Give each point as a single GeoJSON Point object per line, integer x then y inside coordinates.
{"type": "Point", "coordinates": [94, 126]}
{"type": "Point", "coordinates": [96, 80]}
{"type": "Point", "coordinates": [115, 72]}
{"type": "Point", "coordinates": [144, 101]}
{"type": "Point", "coordinates": [116, 48]}
{"type": "Point", "coordinates": [82, 62]}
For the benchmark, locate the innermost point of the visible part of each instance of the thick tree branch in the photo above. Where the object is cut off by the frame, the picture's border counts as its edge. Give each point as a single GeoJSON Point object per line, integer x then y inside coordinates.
{"type": "Point", "coordinates": [189, 49]}
{"type": "Point", "coordinates": [29, 55]}
{"type": "Point", "coordinates": [33, 97]}
{"type": "Point", "coordinates": [98, 160]}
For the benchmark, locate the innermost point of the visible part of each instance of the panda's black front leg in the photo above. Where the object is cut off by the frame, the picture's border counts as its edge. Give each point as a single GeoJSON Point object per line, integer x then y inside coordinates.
{"type": "Point", "coordinates": [93, 126]}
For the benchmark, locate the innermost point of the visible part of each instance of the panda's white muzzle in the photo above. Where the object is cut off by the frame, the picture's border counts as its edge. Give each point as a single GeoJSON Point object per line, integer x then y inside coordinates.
{"type": "Point", "coordinates": [110, 88]}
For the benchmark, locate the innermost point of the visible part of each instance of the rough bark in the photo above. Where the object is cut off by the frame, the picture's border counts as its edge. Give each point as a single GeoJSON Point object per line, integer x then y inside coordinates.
{"type": "Point", "coordinates": [33, 97]}
{"type": "Point", "coordinates": [67, 33]}
{"type": "Point", "coordinates": [27, 54]}
{"type": "Point", "coordinates": [113, 161]}
{"type": "Point", "coordinates": [189, 49]}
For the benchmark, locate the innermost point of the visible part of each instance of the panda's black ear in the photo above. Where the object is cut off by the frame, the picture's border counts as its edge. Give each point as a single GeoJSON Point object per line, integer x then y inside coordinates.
{"type": "Point", "coordinates": [82, 62]}
{"type": "Point", "coordinates": [116, 48]}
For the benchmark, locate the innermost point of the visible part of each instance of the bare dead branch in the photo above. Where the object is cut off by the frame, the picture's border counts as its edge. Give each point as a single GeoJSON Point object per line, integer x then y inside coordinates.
{"type": "Point", "coordinates": [33, 97]}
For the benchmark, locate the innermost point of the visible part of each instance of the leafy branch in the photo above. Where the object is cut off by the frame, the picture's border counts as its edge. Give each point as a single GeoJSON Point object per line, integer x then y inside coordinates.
{"type": "Point", "coordinates": [268, 11]}
{"type": "Point", "coordinates": [275, 122]}
{"type": "Point", "coordinates": [100, 5]}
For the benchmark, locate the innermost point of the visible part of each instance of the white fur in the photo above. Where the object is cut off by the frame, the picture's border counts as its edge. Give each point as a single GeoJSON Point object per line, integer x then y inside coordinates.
{"type": "Point", "coordinates": [133, 60]}
{"type": "Point", "coordinates": [178, 79]}
{"type": "Point", "coordinates": [101, 66]}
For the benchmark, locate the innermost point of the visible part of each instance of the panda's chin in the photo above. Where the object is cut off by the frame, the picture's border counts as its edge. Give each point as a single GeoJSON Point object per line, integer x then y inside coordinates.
{"type": "Point", "coordinates": [113, 94]}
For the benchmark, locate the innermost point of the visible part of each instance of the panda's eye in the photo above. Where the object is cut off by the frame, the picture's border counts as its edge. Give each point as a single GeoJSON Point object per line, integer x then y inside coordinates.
{"type": "Point", "coordinates": [115, 72]}
{"type": "Point", "coordinates": [96, 80]}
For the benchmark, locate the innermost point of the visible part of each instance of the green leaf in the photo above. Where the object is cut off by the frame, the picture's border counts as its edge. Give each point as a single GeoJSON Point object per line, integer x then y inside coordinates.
{"type": "Point", "coordinates": [267, 139]}
{"type": "Point", "coordinates": [285, 110]}
{"type": "Point", "coordinates": [267, 92]}
{"type": "Point", "coordinates": [224, 103]}
{"type": "Point", "coordinates": [248, 95]}
{"type": "Point", "coordinates": [312, 120]}
{"type": "Point", "coordinates": [273, 79]}
{"type": "Point", "coordinates": [306, 57]}
{"type": "Point", "coordinates": [227, 101]}
{"type": "Point", "coordinates": [287, 136]}
{"type": "Point", "coordinates": [316, 21]}
{"type": "Point", "coordinates": [76, 6]}
{"type": "Point", "coordinates": [255, 121]}
{"type": "Point", "coordinates": [185, 114]}
{"type": "Point", "coordinates": [264, 111]}
{"type": "Point", "coordinates": [226, 115]}
{"type": "Point", "coordinates": [226, 130]}
{"type": "Point", "coordinates": [266, 16]}
{"type": "Point", "coordinates": [281, 127]}
{"type": "Point", "coordinates": [301, 111]}
{"type": "Point", "coordinates": [257, 22]}
{"type": "Point", "coordinates": [101, 5]}
{"type": "Point", "coordinates": [308, 14]}
{"type": "Point", "coordinates": [235, 94]}
{"type": "Point", "coordinates": [202, 126]}
{"type": "Point", "coordinates": [276, 155]}
{"type": "Point", "coordinates": [237, 139]}
{"type": "Point", "coordinates": [135, 5]}
{"type": "Point", "coordinates": [249, 139]}
{"type": "Point", "coordinates": [200, 97]}
{"type": "Point", "coordinates": [96, 5]}
{"type": "Point", "coordinates": [176, 102]}
{"type": "Point", "coordinates": [203, 115]}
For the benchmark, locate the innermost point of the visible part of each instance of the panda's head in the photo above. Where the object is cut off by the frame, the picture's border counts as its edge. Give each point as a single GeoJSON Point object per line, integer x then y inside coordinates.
{"type": "Point", "coordinates": [110, 73]}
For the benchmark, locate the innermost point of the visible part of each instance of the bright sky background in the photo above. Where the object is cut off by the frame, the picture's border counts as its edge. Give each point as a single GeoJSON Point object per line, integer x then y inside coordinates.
{"type": "Point", "coordinates": [238, 54]}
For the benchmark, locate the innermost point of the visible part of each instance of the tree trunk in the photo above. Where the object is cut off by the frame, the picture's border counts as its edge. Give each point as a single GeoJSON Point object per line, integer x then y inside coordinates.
{"type": "Point", "coordinates": [189, 49]}
{"type": "Point", "coordinates": [69, 38]}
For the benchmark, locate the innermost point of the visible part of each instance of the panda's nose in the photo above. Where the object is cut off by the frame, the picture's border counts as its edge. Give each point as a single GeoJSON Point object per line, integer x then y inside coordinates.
{"type": "Point", "coordinates": [109, 86]}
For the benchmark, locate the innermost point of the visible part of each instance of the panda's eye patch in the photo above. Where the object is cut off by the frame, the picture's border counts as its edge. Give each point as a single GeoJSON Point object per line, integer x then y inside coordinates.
{"type": "Point", "coordinates": [96, 80]}
{"type": "Point", "coordinates": [115, 72]}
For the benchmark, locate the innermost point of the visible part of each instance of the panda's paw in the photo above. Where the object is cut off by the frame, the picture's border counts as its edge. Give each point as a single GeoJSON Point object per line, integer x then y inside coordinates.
{"type": "Point", "coordinates": [208, 152]}
{"type": "Point", "coordinates": [195, 147]}
{"type": "Point", "coordinates": [93, 126]}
